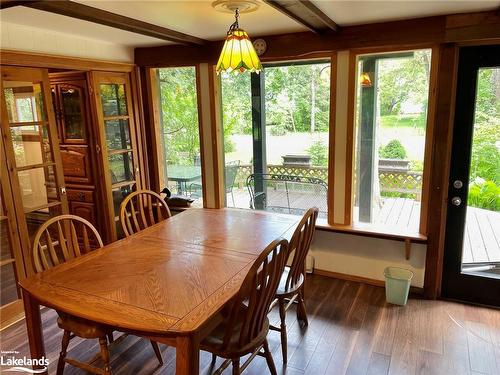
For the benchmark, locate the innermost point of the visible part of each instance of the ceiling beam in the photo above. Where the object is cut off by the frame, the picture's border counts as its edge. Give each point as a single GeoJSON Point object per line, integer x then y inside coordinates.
{"type": "Point", "coordinates": [103, 17]}
{"type": "Point", "coordinates": [305, 13]}
{"type": "Point", "coordinates": [4, 4]}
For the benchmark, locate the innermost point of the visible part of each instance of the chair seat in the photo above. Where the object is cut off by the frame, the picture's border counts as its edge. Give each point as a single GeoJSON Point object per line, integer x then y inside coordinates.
{"type": "Point", "coordinates": [81, 327]}
{"type": "Point", "coordinates": [283, 291]}
{"type": "Point", "coordinates": [214, 342]}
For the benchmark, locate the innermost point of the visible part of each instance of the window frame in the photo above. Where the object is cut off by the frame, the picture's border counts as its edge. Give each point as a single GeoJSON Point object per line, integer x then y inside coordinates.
{"type": "Point", "coordinates": [158, 180]}
{"type": "Point", "coordinates": [318, 58]}
{"type": "Point", "coordinates": [429, 135]}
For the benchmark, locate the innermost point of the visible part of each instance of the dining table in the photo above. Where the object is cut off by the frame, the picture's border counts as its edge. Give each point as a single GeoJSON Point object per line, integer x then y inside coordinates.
{"type": "Point", "coordinates": [167, 283]}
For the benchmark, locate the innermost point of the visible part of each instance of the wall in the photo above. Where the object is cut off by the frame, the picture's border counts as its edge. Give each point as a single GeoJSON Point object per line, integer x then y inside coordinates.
{"type": "Point", "coordinates": [30, 39]}
{"type": "Point", "coordinates": [364, 256]}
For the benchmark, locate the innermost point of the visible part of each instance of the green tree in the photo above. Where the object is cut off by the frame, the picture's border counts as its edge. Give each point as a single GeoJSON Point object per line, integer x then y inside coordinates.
{"type": "Point", "coordinates": [179, 114]}
{"type": "Point", "coordinates": [319, 153]}
{"type": "Point", "coordinates": [403, 79]}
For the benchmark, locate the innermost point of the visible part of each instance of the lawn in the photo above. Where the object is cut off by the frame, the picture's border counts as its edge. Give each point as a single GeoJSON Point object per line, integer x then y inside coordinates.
{"type": "Point", "coordinates": [416, 121]}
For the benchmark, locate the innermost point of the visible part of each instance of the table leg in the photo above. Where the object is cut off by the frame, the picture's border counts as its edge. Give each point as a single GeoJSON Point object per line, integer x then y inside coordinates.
{"type": "Point", "coordinates": [179, 188]}
{"type": "Point", "coordinates": [187, 356]}
{"type": "Point", "coordinates": [34, 327]}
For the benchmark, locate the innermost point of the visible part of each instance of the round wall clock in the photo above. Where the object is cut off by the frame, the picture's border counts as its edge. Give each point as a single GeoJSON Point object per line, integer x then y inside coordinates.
{"type": "Point", "coordinates": [260, 46]}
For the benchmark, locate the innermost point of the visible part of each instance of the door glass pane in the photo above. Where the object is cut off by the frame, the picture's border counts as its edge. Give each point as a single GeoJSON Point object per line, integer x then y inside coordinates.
{"type": "Point", "coordinates": [121, 167]}
{"type": "Point", "coordinates": [38, 187]}
{"type": "Point", "coordinates": [117, 134]}
{"type": "Point", "coordinates": [9, 291]}
{"type": "Point", "coordinates": [31, 144]}
{"type": "Point", "coordinates": [113, 99]}
{"type": "Point", "coordinates": [24, 101]}
{"type": "Point", "coordinates": [481, 246]}
{"type": "Point", "coordinates": [74, 126]}
{"type": "Point", "coordinates": [391, 118]}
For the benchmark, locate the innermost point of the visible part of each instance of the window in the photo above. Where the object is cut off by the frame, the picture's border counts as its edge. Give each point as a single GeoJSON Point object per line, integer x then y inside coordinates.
{"type": "Point", "coordinates": [276, 131]}
{"type": "Point", "coordinates": [179, 131]}
{"type": "Point", "coordinates": [390, 124]}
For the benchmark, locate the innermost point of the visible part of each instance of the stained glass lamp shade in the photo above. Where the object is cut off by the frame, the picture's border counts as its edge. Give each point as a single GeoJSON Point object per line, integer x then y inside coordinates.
{"type": "Point", "coordinates": [238, 53]}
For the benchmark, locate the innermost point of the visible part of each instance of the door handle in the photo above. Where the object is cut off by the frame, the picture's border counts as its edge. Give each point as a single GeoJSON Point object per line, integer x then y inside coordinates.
{"type": "Point", "coordinates": [456, 201]}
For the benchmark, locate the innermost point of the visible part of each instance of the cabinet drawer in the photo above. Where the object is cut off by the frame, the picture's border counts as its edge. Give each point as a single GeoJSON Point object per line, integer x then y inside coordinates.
{"type": "Point", "coordinates": [80, 195]}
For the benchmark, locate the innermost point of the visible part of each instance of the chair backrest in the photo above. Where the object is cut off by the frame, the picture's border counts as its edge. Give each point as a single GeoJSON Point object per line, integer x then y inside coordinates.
{"type": "Point", "coordinates": [251, 305]}
{"type": "Point", "coordinates": [230, 172]}
{"type": "Point", "coordinates": [141, 209]}
{"type": "Point", "coordinates": [300, 244]}
{"type": "Point", "coordinates": [62, 238]}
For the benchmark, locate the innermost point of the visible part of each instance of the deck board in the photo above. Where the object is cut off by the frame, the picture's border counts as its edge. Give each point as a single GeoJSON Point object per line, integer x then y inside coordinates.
{"type": "Point", "coordinates": [476, 238]}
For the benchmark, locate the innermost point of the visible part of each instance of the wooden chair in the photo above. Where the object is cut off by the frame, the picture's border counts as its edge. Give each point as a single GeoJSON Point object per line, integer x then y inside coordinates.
{"type": "Point", "coordinates": [58, 240]}
{"type": "Point", "coordinates": [245, 326]}
{"type": "Point", "coordinates": [141, 209]}
{"type": "Point", "coordinates": [291, 286]}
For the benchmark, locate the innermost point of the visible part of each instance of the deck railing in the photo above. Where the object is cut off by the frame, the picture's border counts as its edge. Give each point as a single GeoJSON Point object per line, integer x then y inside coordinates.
{"type": "Point", "coordinates": [403, 182]}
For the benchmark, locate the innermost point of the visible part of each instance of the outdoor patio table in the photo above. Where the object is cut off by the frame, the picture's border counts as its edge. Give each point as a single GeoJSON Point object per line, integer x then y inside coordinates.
{"type": "Point", "coordinates": [183, 174]}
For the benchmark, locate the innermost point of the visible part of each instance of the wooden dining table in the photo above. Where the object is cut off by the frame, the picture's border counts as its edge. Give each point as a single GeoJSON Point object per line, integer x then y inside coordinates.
{"type": "Point", "coordinates": [167, 283]}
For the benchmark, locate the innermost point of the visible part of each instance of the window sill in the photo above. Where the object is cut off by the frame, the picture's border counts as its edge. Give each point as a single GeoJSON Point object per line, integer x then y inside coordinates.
{"type": "Point", "coordinates": [376, 232]}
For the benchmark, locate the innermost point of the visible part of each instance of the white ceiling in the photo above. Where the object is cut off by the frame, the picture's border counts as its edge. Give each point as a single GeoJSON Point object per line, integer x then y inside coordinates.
{"type": "Point", "coordinates": [198, 18]}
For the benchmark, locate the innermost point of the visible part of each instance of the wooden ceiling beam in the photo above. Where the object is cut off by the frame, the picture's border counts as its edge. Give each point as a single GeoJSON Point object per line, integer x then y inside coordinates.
{"type": "Point", "coordinates": [4, 4]}
{"type": "Point", "coordinates": [103, 17]}
{"type": "Point", "coordinates": [305, 13]}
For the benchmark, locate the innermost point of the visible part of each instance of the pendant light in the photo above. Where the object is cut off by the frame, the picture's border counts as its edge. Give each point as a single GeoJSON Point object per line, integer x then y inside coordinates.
{"type": "Point", "coordinates": [238, 54]}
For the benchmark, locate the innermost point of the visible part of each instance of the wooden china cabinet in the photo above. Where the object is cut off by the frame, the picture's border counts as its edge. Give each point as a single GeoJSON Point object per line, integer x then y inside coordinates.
{"type": "Point", "coordinates": [70, 99]}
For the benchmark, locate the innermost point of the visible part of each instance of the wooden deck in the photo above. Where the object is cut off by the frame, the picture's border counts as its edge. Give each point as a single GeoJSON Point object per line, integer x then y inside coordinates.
{"type": "Point", "coordinates": [482, 234]}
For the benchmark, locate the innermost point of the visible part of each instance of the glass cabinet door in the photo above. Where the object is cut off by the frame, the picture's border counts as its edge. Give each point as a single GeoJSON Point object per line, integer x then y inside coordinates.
{"type": "Point", "coordinates": [11, 259]}
{"type": "Point", "coordinates": [32, 148]}
{"type": "Point", "coordinates": [72, 113]}
{"type": "Point", "coordinates": [118, 141]}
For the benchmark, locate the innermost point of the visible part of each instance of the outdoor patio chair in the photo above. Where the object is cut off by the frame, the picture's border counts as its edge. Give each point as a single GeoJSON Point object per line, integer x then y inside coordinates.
{"type": "Point", "coordinates": [230, 170]}
{"type": "Point", "coordinates": [287, 193]}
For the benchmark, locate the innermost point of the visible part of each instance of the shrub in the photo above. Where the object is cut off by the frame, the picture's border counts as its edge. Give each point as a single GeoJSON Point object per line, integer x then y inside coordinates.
{"type": "Point", "coordinates": [416, 166]}
{"type": "Point", "coordinates": [319, 153]}
{"type": "Point", "coordinates": [277, 129]}
{"type": "Point", "coordinates": [484, 194]}
{"type": "Point", "coordinates": [393, 150]}
{"type": "Point", "coordinates": [485, 157]}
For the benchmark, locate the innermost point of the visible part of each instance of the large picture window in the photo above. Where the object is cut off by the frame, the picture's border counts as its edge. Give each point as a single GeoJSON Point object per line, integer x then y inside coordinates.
{"type": "Point", "coordinates": [392, 92]}
{"type": "Point", "coordinates": [276, 132]}
{"type": "Point", "coordinates": [179, 132]}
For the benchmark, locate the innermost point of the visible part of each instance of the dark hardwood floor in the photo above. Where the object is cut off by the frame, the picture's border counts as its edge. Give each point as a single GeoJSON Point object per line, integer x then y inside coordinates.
{"type": "Point", "coordinates": [351, 331]}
